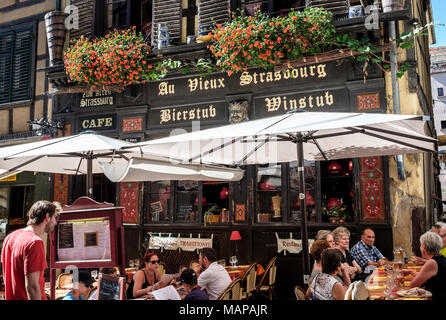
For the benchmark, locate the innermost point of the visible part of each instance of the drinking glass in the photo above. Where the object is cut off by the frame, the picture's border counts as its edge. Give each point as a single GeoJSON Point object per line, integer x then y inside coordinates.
{"type": "Point", "coordinates": [131, 263]}
{"type": "Point", "coordinates": [233, 261]}
{"type": "Point", "coordinates": [94, 274]}
{"type": "Point", "coordinates": [390, 284]}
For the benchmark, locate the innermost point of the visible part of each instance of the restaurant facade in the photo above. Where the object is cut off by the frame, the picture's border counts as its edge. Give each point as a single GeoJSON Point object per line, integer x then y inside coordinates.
{"type": "Point", "coordinates": [263, 206]}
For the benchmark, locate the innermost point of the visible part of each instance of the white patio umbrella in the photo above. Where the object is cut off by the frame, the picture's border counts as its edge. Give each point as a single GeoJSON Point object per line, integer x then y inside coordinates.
{"type": "Point", "coordinates": [297, 136]}
{"type": "Point", "coordinates": [89, 153]}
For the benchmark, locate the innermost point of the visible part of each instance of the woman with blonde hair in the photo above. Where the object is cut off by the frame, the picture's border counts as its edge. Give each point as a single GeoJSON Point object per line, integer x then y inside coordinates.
{"type": "Point", "coordinates": [341, 237]}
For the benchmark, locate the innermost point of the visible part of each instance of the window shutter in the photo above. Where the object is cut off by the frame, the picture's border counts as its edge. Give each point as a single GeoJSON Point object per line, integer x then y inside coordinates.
{"type": "Point", "coordinates": [21, 66]}
{"type": "Point", "coordinates": [213, 11]}
{"type": "Point", "coordinates": [169, 12]}
{"type": "Point", "coordinates": [86, 19]}
{"type": "Point", "coordinates": [6, 42]}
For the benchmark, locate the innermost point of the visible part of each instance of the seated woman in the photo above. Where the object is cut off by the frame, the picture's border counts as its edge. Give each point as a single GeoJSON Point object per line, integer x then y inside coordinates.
{"type": "Point", "coordinates": [146, 279]}
{"type": "Point", "coordinates": [341, 237]}
{"type": "Point", "coordinates": [315, 251]}
{"type": "Point", "coordinates": [326, 235]}
{"type": "Point", "coordinates": [324, 285]}
{"type": "Point", "coordinates": [432, 275]}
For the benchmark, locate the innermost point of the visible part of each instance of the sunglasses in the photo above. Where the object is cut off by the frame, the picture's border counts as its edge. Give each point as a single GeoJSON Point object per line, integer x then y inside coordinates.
{"type": "Point", "coordinates": [154, 261]}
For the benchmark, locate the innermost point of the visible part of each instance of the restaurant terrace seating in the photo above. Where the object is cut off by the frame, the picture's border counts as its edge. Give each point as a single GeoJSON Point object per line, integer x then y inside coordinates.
{"type": "Point", "coordinates": [236, 289]}
{"type": "Point", "coordinates": [64, 281]}
{"type": "Point", "coordinates": [248, 281]}
{"type": "Point", "coordinates": [162, 268]}
{"type": "Point", "coordinates": [268, 280]}
{"type": "Point", "coordinates": [226, 295]}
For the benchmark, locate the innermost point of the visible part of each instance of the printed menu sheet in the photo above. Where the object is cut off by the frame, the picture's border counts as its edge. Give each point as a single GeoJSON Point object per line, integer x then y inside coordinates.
{"type": "Point", "coordinates": [80, 240]}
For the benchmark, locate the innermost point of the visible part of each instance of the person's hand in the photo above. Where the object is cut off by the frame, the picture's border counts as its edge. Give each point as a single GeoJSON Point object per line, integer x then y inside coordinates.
{"type": "Point", "coordinates": [417, 260]}
{"type": "Point", "coordinates": [408, 272]}
{"type": "Point", "coordinates": [381, 262]}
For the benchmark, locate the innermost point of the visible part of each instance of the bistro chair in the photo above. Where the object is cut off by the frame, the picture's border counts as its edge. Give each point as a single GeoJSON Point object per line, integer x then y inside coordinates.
{"type": "Point", "coordinates": [268, 280]}
{"type": "Point", "coordinates": [300, 293]}
{"type": "Point", "coordinates": [162, 268]}
{"type": "Point", "coordinates": [64, 281]}
{"type": "Point", "coordinates": [236, 289]}
{"type": "Point", "coordinates": [182, 268]}
{"type": "Point", "coordinates": [248, 280]}
{"type": "Point", "coordinates": [226, 294]}
{"type": "Point", "coordinates": [193, 263]}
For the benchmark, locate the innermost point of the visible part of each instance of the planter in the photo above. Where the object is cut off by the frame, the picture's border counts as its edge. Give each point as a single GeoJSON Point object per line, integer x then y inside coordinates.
{"type": "Point", "coordinates": [337, 219]}
{"type": "Point", "coordinates": [212, 218]}
{"type": "Point", "coordinates": [55, 34]}
{"type": "Point", "coordinates": [392, 5]}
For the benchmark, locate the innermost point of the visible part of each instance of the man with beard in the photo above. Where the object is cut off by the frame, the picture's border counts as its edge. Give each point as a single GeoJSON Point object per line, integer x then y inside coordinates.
{"type": "Point", "coordinates": [23, 254]}
{"type": "Point", "coordinates": [214, 279]}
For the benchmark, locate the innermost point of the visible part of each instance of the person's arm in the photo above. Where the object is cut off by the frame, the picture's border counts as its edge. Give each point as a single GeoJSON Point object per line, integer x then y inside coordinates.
{"type": "Point", "coordinates": [429, 270]}
{"type": "Point", "coordinates": [307, 294]}
{"type": "Point", "coordinates": [139, 280]}
{"type": "Point", "coordinates": [357, 267]}
{"type": "Point", "coordinates": [338, 291]}
{"type": "Point", "coordinates": [345, 276]}
{"type": "Point", "coordinates": [32, 286]}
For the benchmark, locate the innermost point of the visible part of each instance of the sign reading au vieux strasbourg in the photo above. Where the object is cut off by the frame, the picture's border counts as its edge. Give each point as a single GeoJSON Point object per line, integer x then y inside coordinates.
{"type": "Point", "coordinates": [330, 77]}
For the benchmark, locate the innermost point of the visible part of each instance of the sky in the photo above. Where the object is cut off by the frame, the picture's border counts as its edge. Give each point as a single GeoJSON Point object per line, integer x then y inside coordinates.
{"type": "Point", "coordinates": [439, 10]}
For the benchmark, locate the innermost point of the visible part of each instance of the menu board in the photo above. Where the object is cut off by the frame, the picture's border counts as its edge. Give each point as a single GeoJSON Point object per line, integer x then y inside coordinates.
{"type": "Point", "coordinates": [110, 288]}
{"type": "Point", "coordinates": [81, 240]}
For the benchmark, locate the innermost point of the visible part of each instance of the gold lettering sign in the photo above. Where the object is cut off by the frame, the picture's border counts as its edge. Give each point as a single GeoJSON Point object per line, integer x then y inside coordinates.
{"type": "Point", "coordinates": [316, 71]}
{"type": "Point", "coordinates": [171, 115]}
{"type": "Point", "coordinates": [311, 101]}
{"type": "Point", "coordinates": [97, 123]}
{"type": "Point", "coordinates": [98, 98]}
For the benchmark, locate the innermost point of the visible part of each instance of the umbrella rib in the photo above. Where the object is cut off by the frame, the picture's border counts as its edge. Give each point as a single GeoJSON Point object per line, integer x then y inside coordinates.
{"type": "Point", "coordinates": [79, 165]}
{"type": "Point", "coordinates": [214, 149]}
{"type": "Point", "coordinates": [252, 151]}
{"type": "Point", "coordinates": [405, 135]}
{"type": "Point", "coordinates": [329, 135]}
{"type": "Point", "coordinates": [396, 141]}
{"type": "Point", "coordinates": [25, 163]}
{"type": "Point", "coordinates": [320, 149]}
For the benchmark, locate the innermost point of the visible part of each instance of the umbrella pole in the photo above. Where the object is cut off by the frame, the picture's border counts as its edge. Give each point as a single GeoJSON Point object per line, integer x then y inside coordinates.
{"type": "Point", "coordinates": [303, 216]}
{"type": "Point", "coordinates": [89, 177]}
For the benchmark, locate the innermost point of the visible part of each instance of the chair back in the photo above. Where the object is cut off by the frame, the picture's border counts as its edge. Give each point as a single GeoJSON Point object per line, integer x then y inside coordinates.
{"type": "Point", "coordinates": [162, 268]}
{"type": "Point", "coordinates": [182, 268]}
{"type": "Point", "coordinates": [272, 275]}
{"type": "Point", "coordinates": [267, 276]}
{"type": "Point", "coordinates": [249, 279]}
{"type": "Point", "coordinates": [64, 281]}
{"type": "Point", "coordinates": [193, 263]}
{"type": "Point", "coordinates": [299, 293]}
{"type": "Point", "coordinates": [236, 289]}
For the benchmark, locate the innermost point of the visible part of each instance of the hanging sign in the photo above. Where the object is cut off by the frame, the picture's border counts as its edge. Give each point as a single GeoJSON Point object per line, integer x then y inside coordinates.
{"type": "Point", "coordinates": [174, 243]}
{"type": "Point", "coordinates": [291, 245]}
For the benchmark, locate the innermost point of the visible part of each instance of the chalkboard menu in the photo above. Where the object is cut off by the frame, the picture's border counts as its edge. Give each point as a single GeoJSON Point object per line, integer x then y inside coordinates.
{"type": "Point", "coordinates": [110, 288]}
{"type": "Point", "coordinates": [66, 240]}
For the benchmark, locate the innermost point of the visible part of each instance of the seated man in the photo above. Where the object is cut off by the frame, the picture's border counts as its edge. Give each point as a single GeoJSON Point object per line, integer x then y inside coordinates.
{"type": "Point", "coordinates": [81, 286]}
{"type": "Point", "coordinates": [365, 253]}
{"type": "Point", "coordinates": [214, 279]}
{"type": "Point", "coordinates": [189, 279]}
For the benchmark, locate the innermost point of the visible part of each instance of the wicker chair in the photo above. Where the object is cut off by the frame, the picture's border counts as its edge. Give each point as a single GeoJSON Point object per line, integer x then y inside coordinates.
{"type": "Point", "coordinates": [248, 280]}
{"type": "Point", "coordinates": [64, 281]}
{"type": "Point", "coordinates": [300, 293]}
{"type": "Point", "coordinates": [162, 268]}
{"type": "Point", "coordinates": [236, 289]}
{"type": "Point", "coordinates": [266, 284]}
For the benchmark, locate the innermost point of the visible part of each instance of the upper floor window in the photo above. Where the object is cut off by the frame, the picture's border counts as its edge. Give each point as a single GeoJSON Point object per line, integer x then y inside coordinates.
{"type": "Point", "coordinates": [440, 92]}
{"type": "Point", "coordinates": [116, 14]}
{"type": "Point", "coordinates": [15, 65]}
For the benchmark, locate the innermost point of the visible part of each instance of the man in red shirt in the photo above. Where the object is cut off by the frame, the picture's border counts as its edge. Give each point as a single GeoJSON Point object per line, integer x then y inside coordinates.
{"type": "Point", "coordinates": [23, 254]}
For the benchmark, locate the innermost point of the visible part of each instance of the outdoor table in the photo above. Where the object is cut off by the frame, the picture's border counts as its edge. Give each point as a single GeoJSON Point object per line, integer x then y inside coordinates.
{"type": "Point", "coordinates": [377, 285]}
{"type": "Point", "coordinates": [238, 271]}
{"type": "Point", "coordinates": [130, 272]}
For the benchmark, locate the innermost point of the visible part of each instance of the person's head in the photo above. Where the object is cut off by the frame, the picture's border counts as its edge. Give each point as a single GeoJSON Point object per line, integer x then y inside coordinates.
{"type": "Point", "coordinates": [207, 256]}
{"type": "Point", "coordinates": [189, 279]}
{"type": "Point", "coordinates": [341, 237]}
{"type": "Point", "coordinates": [331, 261]}
{"type": "Point", "coordinates": [430, 244]}
{"type": "Point", "coordinates": [84, 282]}
{"type": "Point", "coordinates": [325, 235]}
{"type": "Point", "coordinates": [368, 237]}
{"type": "Point", "coordinates": [151, 261]}
{"type": "Point", "coordinates": [109, 271]}
{"type": "Point", "coordinates": [43, 213]}
{"type": "Point", "coordinates": [317, 247]}
{"type": "Point", "coordinates": [438, 226]}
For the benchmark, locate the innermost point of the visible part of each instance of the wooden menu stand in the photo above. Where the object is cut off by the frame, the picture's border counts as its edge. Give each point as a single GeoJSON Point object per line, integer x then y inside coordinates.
{"type": "Point", "coordinates": [75, 241]}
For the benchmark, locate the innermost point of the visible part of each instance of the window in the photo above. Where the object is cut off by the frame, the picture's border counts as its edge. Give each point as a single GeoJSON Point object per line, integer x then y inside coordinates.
{"type": "Point", "coordinates": [116, 13]}
{"type": "Point", "coordinates": [440, 92]}
{"type": "Point", "coordinates": [269, 193]}
{"type": "Point", "coordinates": [443, 124]}
{"type": "Point", "coordinates": [159, 202]}
{"type": "Point", "coordinates": [310, 191]}
{"type": "Point", "coordinates": [187, 198]}
{"type": "Point", "coordinates": [15, 65]}
{"type": "Point", "coordinates": [274, 8]}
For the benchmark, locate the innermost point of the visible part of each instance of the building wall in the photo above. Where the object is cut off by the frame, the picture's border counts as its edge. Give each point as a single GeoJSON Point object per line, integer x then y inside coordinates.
{"type": "Point", "coordinates": [415, 191]}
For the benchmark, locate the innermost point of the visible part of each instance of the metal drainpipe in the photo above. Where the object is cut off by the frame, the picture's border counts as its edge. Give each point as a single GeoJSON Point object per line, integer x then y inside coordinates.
{"type": "Point", "coordinates": [57, 5]}
{"type": "Point", "coordinates": [396, 93]}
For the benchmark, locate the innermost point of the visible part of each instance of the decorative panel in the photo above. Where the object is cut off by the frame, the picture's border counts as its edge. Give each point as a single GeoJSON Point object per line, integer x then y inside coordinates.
{"type": "Point", "coordinates": [132, 124]}
{"type": "Point", "coordinates": [129, 196]}
{"type": "Point", "coordinates": [372, 190]}
{"type": "Point", "coordinates": [61, 181]}
{"type": "Point", "coordinates": [369, 101]}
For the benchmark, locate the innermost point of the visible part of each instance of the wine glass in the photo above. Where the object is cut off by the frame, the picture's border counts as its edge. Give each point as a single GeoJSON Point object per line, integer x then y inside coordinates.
{"type": "Point", "coordinates": [390, 284]}
{"type": "Point", "coordinates": [233, 261]}
{"type": "Point", "coordinates": [94, 273]}
{"type": "Point", "coordinates": [132, 263]}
